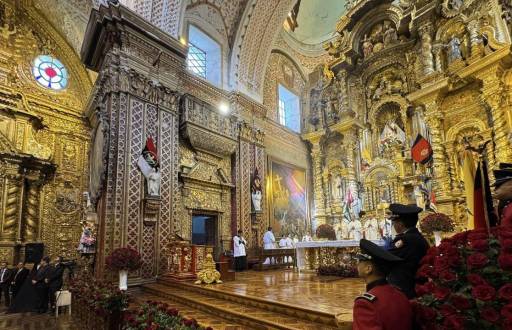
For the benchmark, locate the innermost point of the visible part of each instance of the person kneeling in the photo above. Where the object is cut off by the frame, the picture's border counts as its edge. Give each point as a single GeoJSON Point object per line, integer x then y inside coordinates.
{"type": "Point", "coordinates": [383, 306]}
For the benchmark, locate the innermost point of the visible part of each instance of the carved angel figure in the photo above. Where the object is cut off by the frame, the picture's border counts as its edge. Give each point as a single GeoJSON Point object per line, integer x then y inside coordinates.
{"type": "Point", "coordinates": [390, 35]}
{"type": "Point", "coordinates": [367, 46]}
{"type": "Point", "coordinates": [456, 4]}
{"type": "Point", "coordinates": [454, 52]}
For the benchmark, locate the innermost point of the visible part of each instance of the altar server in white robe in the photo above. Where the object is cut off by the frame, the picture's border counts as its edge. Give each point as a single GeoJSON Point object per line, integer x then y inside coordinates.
{"type": "Point", "coordinates": [371, 229]}
{"type": "Point", "coordinates": [286, 243]}
{"type": "Point", "coordinates": [269, 243]}
{"type": "Point", "coordinates": [239, 252]}
{"type": "Point", "coordinates": [355, 228]}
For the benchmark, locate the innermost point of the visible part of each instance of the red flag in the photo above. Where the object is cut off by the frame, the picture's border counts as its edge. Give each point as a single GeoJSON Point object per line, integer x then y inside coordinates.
{"type": "Point", "coordinates": [349, 198]}
{"type": "Point", "coordinates": [482, 197]}
{"type": "Point", "coordinates": [421, 151]}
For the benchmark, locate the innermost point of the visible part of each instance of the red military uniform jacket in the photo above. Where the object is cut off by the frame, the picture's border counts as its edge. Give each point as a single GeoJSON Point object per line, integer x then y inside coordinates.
{"type": "Point", "coordinates": [506, 215]}
{"type": "Point", "coordinates": [383, 307]}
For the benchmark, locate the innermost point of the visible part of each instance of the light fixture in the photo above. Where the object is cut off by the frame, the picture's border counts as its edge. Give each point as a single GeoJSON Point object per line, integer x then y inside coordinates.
{"type": "Point", "coordinates": [183, 41]}
{"type": "Point", "coordinates": [224, 108]}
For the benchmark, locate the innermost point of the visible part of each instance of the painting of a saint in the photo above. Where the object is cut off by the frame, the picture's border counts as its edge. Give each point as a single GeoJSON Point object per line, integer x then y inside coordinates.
{"type": "Point", "coordinates": [288, 198]}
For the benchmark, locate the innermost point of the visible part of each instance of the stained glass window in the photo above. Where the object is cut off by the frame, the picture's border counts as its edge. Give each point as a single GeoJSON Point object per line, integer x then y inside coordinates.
{"type": "Point", "coordinates": [50, 72]}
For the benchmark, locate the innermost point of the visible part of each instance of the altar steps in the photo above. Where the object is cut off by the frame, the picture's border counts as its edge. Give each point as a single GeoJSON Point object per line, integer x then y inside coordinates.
{"type": "Point", "coordinates": [204, 318]}
{"type": "Point", "coordinates": [251, 312]}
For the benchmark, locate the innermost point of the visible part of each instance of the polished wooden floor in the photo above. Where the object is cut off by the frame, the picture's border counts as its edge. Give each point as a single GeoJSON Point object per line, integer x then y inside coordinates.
{"type": "Point", "coordinates": [280, 299]}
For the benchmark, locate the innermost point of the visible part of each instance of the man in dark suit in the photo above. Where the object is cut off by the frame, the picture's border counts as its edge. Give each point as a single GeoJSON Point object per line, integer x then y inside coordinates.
{"type": "Point", "coordinates": [5, 282]}
{"type": "Point", "coordinates": [41, 286]}
{"type": "Point", "coordinates": [409, 244]}
{"type": "Point", "coordinates": [20, 275]}
{"type": "Point", "coordinates": [54, 280]}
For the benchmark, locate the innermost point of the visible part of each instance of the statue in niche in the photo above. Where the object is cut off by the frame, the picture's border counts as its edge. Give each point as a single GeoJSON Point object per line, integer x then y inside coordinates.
{"type": "Point", "coordinates": [456, 4]}
{"type": "Point", "coordinates": [392, 135]}
{"type": "Point", "coordinates": [256, 191]}
{"type": "Point", "coordinates": [367, 46]}
{"type": "Point", "coordinates": [454, 53]}
{"type": "Point", "coordinates": [337, 187]}
{"type": "Point", "coordinates": [390, 34]}
{"type": "Point", "coordinates": [153, 180]}
{"type": "Point", "coordinates": [380, 90]}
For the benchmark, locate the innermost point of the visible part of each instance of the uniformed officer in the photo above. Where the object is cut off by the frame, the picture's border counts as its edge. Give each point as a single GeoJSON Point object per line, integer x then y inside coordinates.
{"type": "Point", "coordinates": [383, 306]}
{"type": "Point", "coordinates": [409, 244]}
{"type": "Point", "coordinates": [503, 193]}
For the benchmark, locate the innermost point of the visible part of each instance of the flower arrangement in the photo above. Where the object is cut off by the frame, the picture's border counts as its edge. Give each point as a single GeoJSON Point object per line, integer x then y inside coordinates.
{"type": "Point", "coordinates": [155, 315]}
{"type": "Point", "coordinates": [338, 270]}
{"type": "Point", "coordinates": [124, 259]}
{"type": "Point", "coordinates": [468, 282]}
{"type": "Point", "coordinates": [326, 231]}
{"type": "Point", "coordinates": [88, 240]}
{"type": "Point", "coordinates": [436, 222]}
{"type": "Point", "coordinates": [100, 296]}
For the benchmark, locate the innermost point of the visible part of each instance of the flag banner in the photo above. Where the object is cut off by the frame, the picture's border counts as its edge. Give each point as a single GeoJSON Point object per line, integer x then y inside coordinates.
{"type": "Point", "coordinates": [482, 200]}
{"type": "Point", "coordinates": [148, 160]}
{"type": "Point", "coordinates": [421, 150]}
{"type": "Point", "coordinates": [468, 176]}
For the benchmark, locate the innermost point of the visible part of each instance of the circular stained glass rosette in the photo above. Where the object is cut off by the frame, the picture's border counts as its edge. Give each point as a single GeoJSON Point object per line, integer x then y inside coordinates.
{"type": "Point", "coordinates": [50, 72]}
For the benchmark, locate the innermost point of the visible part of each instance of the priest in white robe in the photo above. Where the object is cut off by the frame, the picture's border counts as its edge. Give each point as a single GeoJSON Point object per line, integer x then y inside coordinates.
{"type": "Point", "coordinates": [269, 243]}
{"type": "Point", "coordinates": [239, 252]}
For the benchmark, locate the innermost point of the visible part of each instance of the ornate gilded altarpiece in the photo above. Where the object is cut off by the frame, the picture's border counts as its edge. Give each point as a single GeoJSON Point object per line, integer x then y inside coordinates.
{"type": "Point", "coordinates": [436, 68]}
{"type": "Point", "coordinates": [44, 139]}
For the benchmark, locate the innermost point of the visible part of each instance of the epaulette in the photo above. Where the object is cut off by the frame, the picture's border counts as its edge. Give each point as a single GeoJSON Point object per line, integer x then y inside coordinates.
{"type": "Point", "coordinates": [367, 296]}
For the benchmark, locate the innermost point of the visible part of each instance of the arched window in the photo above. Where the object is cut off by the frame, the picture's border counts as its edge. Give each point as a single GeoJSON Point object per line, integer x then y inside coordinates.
{"type": "Point", "coordinates": [50, 72]}
{"type": "Point", "coordinates": [288, 109]}
{"type": "Point", "coordinates": [204, 56]}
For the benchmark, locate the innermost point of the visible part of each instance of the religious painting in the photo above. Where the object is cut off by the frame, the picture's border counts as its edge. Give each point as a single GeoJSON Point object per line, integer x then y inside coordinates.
{"type": "Point", "coordinates": [288, 200]}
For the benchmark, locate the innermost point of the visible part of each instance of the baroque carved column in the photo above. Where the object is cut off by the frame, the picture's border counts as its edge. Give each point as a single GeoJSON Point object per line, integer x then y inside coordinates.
{"type": "Point", "coordinates": [496, 89]}
{"type": "Point", "coordinates": [425, 32]}
{"type": "Point", "coordinates": [134, 98]}
{"type": "Point", "coordinates": [318, 190]}
{"type": "Point", "coordinates": [434, 120]}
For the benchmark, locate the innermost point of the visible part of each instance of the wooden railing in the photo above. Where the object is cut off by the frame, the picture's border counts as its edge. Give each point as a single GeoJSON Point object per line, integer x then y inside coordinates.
{"type": "Point", "coordinates": [275, 258]}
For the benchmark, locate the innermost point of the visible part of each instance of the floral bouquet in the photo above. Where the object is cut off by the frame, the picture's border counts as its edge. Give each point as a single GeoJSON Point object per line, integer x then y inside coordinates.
{"type": "Point", "coordinates": [88, 241]}
{"type": "Point", "coordinates": [326, 231]}
{"type": "Point", "coordinates": [155, 315]}
{"type": "Point", "coordinates": [467, 282]}
{"type": "Point", "coordinates": [436, 222]}
{"type": "Point", "coordinates": [101, 296]}
{"type": "Point", "coordinates": [124, 259]}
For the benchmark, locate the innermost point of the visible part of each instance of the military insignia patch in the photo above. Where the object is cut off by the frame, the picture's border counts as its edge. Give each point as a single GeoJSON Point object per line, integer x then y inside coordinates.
{"type": "Point", "coordinates": [367, 296]}
{"type": "Point", "coordinates": [399, 243]}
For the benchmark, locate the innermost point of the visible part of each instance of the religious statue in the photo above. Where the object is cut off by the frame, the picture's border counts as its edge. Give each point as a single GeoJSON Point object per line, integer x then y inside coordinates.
{"type": "Point", "coordinates": [256, 191]}
{"type": "Point", "coordinates": [336, 187]}
{"type": "Point", "coordinates": [380, 90]}
{"type": "Point", "coordinates": [153, 181]}
{"type": "Point", "coordinates": [367, 46]}
{"type": "Point", "coordinates": [87, 240]}
{"type": "Point", "coordinates": [454, 52]}
{"type": "Point", "coordinates": [390, 35]}
{"type": "Point", "coordinates": [456, 4]}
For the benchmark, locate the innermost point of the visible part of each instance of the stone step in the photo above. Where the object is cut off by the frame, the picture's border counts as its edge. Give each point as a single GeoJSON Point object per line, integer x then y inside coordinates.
{"type": "Point", "coordinates": [248, 312]}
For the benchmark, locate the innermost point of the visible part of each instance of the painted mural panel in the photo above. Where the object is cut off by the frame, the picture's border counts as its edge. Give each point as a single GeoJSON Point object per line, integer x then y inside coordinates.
{"type": "Point", "coordinates": [288, 200]}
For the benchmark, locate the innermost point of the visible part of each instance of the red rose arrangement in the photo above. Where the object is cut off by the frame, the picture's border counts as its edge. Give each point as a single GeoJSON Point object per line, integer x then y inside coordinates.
{"type": "Point", "coordinates": [124, 259]}
{"type": "Point", "coordinates": [436, 222]}
{"type": "Point", "coordinates": [467, 282]}
{"type": "Point", "coordinates": [326, 231]}
{"type": "Point", "coordinates": [97, 295]}
{"type": "Point", "coordinates": [155, 315]}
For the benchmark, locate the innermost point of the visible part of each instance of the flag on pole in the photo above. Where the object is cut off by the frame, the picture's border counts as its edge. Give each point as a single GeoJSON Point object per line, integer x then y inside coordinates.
{"type": "Point", "coordinates": [482, 204]}
{"type": "Point", "coordinates": [421, 150]}
{"type": "Point", "coordinates": [148, 158]}
{"type": "Point", "coordinates": [468, 176]}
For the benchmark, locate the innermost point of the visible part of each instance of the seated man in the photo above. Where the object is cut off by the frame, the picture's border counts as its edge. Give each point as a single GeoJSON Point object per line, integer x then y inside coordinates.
{"type": "Point", "coordinates": [382, 306]}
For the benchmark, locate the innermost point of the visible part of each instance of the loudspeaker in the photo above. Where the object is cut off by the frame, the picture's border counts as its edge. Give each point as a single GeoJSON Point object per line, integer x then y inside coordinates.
{"type": "Point", "coordinates": [34, 252]}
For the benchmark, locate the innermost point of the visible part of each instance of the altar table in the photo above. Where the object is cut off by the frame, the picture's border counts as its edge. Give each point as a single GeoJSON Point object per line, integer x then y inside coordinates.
{"type": "Point", "coordinates": [313, 254]}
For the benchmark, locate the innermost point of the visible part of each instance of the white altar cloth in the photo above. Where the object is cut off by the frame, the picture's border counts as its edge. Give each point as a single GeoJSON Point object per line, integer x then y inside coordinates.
{"type": "Point", "coordinates": [300, 247]}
